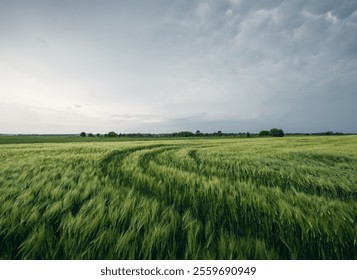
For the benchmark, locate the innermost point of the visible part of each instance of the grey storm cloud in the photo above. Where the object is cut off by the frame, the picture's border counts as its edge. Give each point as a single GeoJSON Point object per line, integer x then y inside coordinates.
{"type": "Point", "coordinates": [155, 66]}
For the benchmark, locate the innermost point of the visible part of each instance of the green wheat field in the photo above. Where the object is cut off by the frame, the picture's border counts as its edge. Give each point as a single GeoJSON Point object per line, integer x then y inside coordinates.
{"type": "Point", "coordinates": [258, 198]}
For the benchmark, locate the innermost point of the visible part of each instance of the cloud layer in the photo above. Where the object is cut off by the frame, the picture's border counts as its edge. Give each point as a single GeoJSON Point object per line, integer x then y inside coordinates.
{"type": "Point", "coordinates": [163, 66]}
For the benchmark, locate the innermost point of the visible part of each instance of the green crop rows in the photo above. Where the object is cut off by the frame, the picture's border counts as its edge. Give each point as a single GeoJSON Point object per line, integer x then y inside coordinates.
{"type": "Point", "coordinates": [289, 198]}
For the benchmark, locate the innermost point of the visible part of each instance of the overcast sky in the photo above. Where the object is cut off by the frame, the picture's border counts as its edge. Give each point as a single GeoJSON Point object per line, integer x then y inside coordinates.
{"type": "Point", "coordinates": [171, 65]}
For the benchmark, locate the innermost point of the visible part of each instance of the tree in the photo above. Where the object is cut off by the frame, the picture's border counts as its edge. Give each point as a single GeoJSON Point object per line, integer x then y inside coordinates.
{"type": "Point", "coordinates": [112, 134]}
{"type": "Point", "coordinates": [275, 132]}
{"type": "Point", "coordinates": [198, 133]}
{"type": "Point", "coordinates": [219, 133]}
{"type": "Point", "coordinates": [90, 135]}
{"type": "Point", "coordinates": [98, 134]}
{"type": "Point", "coordinates": [264, 133]}
{"type": "Point", "coordinates": [83, 134]}
{"type": "Point", "coordinates": [248, 134]}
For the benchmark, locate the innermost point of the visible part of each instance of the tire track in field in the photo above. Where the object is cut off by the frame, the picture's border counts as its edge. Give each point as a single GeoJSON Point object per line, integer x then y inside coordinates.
{"type": "Point", "coordinates": [176, 196]}
{"type": "Point", "coordinates": [212, 207]}
{"type": "Point", "coordinates": [200, 205]}
{"type": "Point", "coordinates": [118, 166]}
{"type": "Point", "coordinates": [110, 167]}
{"type": "Point", "coordinates": [139, 169]}
{"type": "Point", "coordinates": [128, 169]}
{"type": "Point", "coordinates": [254, 213]}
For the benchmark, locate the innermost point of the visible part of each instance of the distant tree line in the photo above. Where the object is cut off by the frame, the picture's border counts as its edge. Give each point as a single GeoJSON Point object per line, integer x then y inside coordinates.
{"type": "Point", "coordinates": [327, 133]}
{"type": "Point", "coordinates": [274, 132]}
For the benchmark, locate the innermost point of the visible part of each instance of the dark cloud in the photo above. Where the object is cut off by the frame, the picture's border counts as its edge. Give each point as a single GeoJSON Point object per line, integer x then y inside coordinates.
{"type": "Point", "coordinates": [248, 64]}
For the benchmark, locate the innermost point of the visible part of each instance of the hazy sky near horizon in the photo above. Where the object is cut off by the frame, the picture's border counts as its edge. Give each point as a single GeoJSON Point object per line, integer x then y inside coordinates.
{"type": "Point", "coordinates": [170, 65]}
